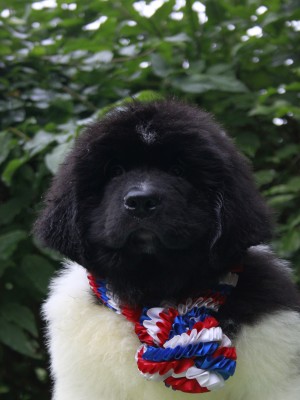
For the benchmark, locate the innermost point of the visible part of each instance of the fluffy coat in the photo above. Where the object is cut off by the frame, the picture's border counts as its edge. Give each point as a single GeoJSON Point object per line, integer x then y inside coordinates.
{"type": "Point", "coordinates": [92, 350]}
{"type": "Point", "coordinates": [156, 199]}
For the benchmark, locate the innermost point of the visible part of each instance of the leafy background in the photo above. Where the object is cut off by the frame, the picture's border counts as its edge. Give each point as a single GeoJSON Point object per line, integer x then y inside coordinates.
{"type": "Point", "coordinates": [65, 63]}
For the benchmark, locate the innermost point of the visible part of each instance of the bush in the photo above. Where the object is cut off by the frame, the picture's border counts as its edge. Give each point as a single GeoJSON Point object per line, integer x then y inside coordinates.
{"type": "Point", "coordinates": [64, 64]}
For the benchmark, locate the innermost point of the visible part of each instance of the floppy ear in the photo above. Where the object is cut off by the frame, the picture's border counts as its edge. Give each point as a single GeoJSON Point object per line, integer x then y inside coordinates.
{"type": "Point", "coordinates": [242, 217]}
{"type": "Point", "coordinates": [56, 226]}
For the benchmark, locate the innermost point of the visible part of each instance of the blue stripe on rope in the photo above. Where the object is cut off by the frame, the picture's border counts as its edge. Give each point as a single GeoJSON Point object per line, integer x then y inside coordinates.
{"type": "Point", "coordinates": [192, 350]}
{"type": "Point", "coordinates": [144, 316]}
{"type": "Point", "coordinates": [182, 323]}
{"type": "Point", "coordinates": [224, 366]}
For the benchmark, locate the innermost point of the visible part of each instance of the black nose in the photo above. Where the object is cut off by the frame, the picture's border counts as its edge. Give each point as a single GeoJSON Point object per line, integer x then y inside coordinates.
{"type": "Point", "coordinates": [141, 203]}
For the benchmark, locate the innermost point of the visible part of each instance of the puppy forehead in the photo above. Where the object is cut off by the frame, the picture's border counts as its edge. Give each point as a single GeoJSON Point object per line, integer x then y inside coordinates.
{"type": "Point", "coordinates": [147, 135]}
{"type": "Point", "coordinates": [163, 131]}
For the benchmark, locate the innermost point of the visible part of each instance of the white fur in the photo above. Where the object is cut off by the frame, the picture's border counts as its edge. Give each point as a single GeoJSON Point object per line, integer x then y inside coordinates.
{"type": "Point", "coordinates": [148, 136]}
{"type": "Point", "coordinates": [92, 352]}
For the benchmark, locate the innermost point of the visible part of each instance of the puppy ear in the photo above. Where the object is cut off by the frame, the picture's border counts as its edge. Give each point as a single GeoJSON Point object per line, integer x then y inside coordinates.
{"type": "Point", "coordinates": [56, 226]}
{"type": "Point", "coordinates": [242, 217]}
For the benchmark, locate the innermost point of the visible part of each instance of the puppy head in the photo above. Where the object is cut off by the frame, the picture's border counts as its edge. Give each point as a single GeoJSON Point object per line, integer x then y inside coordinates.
{"type": "Point", "coordinates": [156, 199]}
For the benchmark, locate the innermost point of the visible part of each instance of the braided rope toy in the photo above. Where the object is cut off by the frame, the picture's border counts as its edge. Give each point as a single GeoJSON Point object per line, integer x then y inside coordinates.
{"type": "Point", "coordinates": [183, 345]}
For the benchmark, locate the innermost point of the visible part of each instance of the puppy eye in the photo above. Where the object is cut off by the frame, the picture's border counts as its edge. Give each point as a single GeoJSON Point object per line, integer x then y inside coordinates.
{"type": "Point", "coordinates": [115, 170]}
{"type": "Point", "coordinates": [177, 170]}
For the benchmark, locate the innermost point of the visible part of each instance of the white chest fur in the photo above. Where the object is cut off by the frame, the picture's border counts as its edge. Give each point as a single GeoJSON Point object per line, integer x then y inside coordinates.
{"type": "Point", "coordinates": [92, 352]}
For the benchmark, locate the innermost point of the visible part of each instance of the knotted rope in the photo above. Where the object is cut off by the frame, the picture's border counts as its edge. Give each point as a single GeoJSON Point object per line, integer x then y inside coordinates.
{"type": "Point", "coordinates": [184, 345]}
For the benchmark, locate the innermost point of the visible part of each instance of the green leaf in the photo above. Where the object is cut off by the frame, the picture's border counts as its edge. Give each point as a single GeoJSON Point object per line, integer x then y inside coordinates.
{"type": "Point", "coordinates": [278, 189]}
{"type": "Point", "coordinates": [40, 141]}
{"type": "Point", "coordinates": [197, 66]}
{"type": "Point", "coordinates": [227, 83]}
{"type": "Point", "coordinates": [13, 207]}
{"type": "Point", "coordinates": [290, 242]}
{"type": "Point", "coordinates": [6, 144]}
{"type": "Point", "coordinates": [219, 69]}
{"type": "Point", "coordinates": [261, 110]}
{"type": "Point", "coordinates": [147, 95]}
{"type": "Point", "coordinates": [264, 177]}
{"type": "Point", "coordinates": [21, 316]}
{"type": "Point", "coordinates": [57, 156]}
{"type": "Point", "coordinates": [14, 337]}
{"type": "Point", "coordinates": [191, 85]}
{"type": "Point", "coordinates": [203, 83]}
{"type": "Point", "coordinates": [287, 151]}
{"type": "Point", "coordinates": [180, 37]}
{"type": "Point", "coordinates": [160, 67]}
{"type": "Point", "coordinates": [128, 51]}
{"type": "Point", "coordinates": [295, 86]}
{"type": "Point", "coordinates": [38, 270]}
{"type": "Point", "coordinates": [248, 142]}
{"type": "Point", "coordinates": [294, 221]}
{"type": "Point", "coordinates": [9, 243]}
{"type": "Point", "coordinates": [11, 169]}
{"type": "Point", "coordinates": [5, 50]}
{"type": "Point", "coordinates": [278, 201]}
{"type": "Point", "coordinates": [294, 184]}
{"type": "Point", "coordinates": [104, 56]}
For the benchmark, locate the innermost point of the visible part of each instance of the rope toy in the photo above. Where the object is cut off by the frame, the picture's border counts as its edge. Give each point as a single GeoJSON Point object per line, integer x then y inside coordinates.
{"type": "Point", "coordinates": [182, 345]}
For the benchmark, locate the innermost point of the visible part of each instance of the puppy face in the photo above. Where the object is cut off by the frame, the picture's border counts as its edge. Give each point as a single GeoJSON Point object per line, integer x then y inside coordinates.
{"type": "Point", "coordinates": [156, 199]}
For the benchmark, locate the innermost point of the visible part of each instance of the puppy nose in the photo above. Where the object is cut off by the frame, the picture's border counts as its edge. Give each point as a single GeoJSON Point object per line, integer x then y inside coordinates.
{"type": "Point", "coordinates": [141, 203]}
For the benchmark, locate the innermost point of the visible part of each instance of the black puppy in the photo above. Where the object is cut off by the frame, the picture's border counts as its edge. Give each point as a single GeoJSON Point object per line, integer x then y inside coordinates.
{"type": "Point", "coordinates": [156, 200]}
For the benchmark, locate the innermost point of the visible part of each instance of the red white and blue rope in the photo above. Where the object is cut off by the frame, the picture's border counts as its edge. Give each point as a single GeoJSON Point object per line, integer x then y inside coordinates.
{"type": "Point", "coordinates": [182, 345]}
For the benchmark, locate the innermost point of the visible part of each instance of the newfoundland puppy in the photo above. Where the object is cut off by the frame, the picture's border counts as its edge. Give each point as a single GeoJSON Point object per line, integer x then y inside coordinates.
{"type": "Point", "coordinates": [169, 290]}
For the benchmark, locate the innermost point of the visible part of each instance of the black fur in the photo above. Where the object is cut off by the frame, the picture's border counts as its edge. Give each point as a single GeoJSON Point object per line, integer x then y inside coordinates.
{"type": "Point", "coordinates": [207, 211]}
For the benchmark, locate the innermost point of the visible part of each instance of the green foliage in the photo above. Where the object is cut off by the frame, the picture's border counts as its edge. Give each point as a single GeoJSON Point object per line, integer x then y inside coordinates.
{"type": "Point", "coordinates": [63, 64]}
